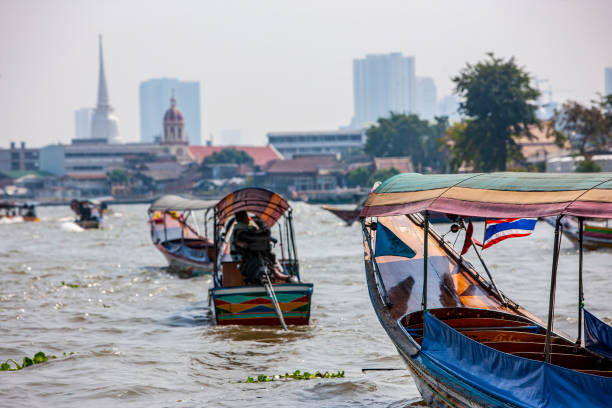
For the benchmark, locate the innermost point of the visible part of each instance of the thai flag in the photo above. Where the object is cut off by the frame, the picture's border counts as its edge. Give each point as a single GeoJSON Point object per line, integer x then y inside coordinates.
{"type": "Point", "coordinates": [498, 230]}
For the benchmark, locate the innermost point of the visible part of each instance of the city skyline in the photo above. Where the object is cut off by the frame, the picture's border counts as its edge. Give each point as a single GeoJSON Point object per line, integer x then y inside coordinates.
{"type": "Point", "coordinates": [265, 69]}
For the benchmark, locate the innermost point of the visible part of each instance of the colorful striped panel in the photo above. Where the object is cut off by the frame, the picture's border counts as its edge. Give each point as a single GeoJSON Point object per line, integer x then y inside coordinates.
{"type": "Point", "coordinates": [268, 205]}
{"type": "Point", "coordinates": [257, 308]}
{"type": "Point", "coordinates": [495, 195]}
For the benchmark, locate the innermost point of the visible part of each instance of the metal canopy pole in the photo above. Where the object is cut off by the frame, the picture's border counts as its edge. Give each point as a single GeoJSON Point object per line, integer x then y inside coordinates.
{"type": "Point", "coordinates": [425, 245]}
{"type": "Point", "coordinates": [580, 288]}
{"type": "Point", "coordinates": [553, 284]}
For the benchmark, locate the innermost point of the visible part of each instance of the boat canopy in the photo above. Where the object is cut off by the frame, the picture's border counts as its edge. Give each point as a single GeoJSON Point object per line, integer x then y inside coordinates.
{"type": "Point", "coordinates": [494, 195]}
{"type": "Point", "coordinates": [266, 204]}
{"type": "Point", "coordinates": [176, 203]}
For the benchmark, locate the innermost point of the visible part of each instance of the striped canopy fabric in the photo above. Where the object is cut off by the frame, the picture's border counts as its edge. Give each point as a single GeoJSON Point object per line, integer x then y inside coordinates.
{"type": "Point", "coordinates": [494, 195]}
{"type": "Point", "coordinates": [266, 204]}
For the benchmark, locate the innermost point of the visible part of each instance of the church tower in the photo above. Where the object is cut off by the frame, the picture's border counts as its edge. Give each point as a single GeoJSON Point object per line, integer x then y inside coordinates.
{"type": "Point", "coordinates": [174, 137]}
{"type": "Point", "coordinates": [104, 125]}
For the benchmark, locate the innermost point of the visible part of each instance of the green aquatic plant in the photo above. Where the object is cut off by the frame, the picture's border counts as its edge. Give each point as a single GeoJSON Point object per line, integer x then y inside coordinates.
{"type": "Point", "coordinates": [297, 375]}
{"type": "Point", "coordinates": [38, 358]}
{"type": "Point", "coordinates": [70, 285]}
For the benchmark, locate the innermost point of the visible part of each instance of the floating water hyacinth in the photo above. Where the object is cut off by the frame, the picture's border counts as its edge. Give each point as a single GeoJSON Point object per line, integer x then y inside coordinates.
{"type": "Point", "coordinates": [38, 358]}
{"type": "Point", "coordinates": [297, 375]}
{"type": "Point", "coordinates": [70, 285]}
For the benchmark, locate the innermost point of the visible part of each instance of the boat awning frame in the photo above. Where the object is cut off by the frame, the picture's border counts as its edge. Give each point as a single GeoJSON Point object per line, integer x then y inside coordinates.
{"type": "Point", "coordinates": [266, 204]}
{"type": "Point", "coordinates": [494, 195]}
{"type": "Point", "coordinates": [177, 203]}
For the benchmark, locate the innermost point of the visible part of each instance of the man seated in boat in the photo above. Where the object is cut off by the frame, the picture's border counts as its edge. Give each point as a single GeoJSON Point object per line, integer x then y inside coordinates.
{"type": "Point", "coordinates": [251, 246]}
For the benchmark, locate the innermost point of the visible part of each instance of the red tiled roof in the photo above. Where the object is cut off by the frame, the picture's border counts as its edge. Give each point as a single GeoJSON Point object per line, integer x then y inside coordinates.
{"type": "Point", "coordinates": [262, 155]}
{"type": "Point", "coordinates": [307, 164]}
{"type": "Point", "coordinates": [403, 164]}
{"type": "Point", "coordinates": [87, 176]}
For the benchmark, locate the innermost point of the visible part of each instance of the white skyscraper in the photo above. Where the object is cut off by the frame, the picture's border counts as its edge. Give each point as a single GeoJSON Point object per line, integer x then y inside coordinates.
{"type": "Point", "coordinates": [426, 98]}
{"type": "Point", "coordinates": [608, 72]}
{"type": "Point", "coordinates": [382, 83]}
{"type": "Point", "coordinates": [154, 95]}
{"type": "Point", "coordinates": [82, 123]}
{"type": "Point", "coordinates": [104, 125]}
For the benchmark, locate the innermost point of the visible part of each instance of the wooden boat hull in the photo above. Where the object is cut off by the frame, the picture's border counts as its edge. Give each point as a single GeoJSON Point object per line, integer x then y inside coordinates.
{"type": "Point", "coordinates": [594, 237]}
{"type": "Point", "coordinates": [8, 219]}
{"type": "Point", "coordinates": [251, 305]}
{"type": "Point", "coordinates": [88, 224]}
{"type": "Point", "coordinates": [348, 216]}
{"type": "Point", "coordinates": [437, 387]}
{"type": "Point", "coordinates": [183, 265]}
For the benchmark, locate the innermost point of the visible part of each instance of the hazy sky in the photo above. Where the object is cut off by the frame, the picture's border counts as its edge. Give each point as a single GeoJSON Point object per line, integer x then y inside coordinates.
{"type": "Point", "coordinates": [273, 65]}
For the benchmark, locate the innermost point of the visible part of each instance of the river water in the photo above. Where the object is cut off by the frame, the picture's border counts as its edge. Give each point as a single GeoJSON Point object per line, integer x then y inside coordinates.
{"type": "Point", "coordinates": [142, 337]}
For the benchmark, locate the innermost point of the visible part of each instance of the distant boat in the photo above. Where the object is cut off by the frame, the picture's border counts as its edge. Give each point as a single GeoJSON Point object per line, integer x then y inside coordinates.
{"type": "Point", "coordinates": [253, 285]}
{"type": "Point", "coordinates": [466, 344]}
{"type": "Point", "coordinates": [597, 233]}
{"type": "Point", "coordinates": [12, 212]}
{"type": "Point", "coordinates": [173, 222]}
{"type": "Point", "coordinates": [90, 213]}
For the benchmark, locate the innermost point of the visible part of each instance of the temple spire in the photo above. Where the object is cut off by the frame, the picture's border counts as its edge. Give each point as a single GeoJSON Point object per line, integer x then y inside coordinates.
{"type": "Point", "coordinates": [102, 90]}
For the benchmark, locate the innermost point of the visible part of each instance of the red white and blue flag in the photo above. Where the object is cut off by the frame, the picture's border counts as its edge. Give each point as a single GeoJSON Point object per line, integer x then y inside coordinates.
{"type": "Point", "coordinates": [498, 230]}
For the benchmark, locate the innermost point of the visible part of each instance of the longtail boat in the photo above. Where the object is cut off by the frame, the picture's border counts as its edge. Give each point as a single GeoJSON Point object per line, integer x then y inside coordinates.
{"type": "Point", "coordinates": [89, 213]}
{"type": "Point", "coordinates": [175, 232]}
{"type": "Point", "coordinates": [465, 342]}
{"type": "Point", "coordinates": [12, 212]}
{"type": "Point", "coordinates": [254, 283]}
{"type": "Point", "coordinates": [596, 233]}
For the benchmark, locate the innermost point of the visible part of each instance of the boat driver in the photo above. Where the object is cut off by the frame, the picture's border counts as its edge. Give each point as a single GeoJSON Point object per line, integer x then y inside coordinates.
{"type": "Point", "coordinates": [242, 224]}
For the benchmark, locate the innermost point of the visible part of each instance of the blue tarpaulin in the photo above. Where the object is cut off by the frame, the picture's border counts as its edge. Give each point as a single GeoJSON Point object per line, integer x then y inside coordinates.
{"type": "Point", "coordinates": [512, 379]}
{"type": "Point", "coordinates": [387, 243]}
{"type": "Point", "coordinates": [597, 335]}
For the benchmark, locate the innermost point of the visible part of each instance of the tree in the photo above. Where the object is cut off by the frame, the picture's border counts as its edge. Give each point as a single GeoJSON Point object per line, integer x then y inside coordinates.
{"type": "Point", "coordinates": [382, 175]}
{"type": "Point", "coordinates": [359, 177]}
{"type": "Point", "coordinates": [118, 176]}
{"type": "Point", "coordinates": [401, 135]}
{"type": "Point", "coordinates": [229, 156]}
{"type": "Point", "coordinates": [500, 106]}
{"type": "Point", "coordinates": [589, 129]}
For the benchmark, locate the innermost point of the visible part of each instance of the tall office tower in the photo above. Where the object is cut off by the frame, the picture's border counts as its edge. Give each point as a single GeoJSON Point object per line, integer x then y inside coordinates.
{"type": "Point", "coordinates": [426, 98]}
{"type": "Point", "coordinates": [154, 95]}
{"type": "Point", "coordinates": [82, 123]}
{"type": "Point", "coordinates": [104, 125]}
{"type": "Point", "coordinates": [449, 106]}
{"type": "Point", "coordinates": [382, 83]}
{"type": "Point", "coordinates": [608, 72]}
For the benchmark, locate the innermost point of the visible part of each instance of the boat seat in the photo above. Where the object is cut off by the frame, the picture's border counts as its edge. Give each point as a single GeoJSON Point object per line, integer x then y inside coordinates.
{"type": "Point", "coordinates": [514, 347]}
{"type": "Point", "coordinates": [467, 323]}
{"type": "Point", "coordinates": [231, 274]}
{"type": "Point", "coordinates": [572, 361]}
{"type": "Point", "coordinates": [461, 313]}
{"type": "Point", "coordinates": [597, 372]}
{"type": "Point", "coordinates": [483, 336]}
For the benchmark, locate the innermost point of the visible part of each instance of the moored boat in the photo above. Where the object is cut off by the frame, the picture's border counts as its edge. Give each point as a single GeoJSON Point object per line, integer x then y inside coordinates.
{"type": "Point", "coordinates": [254, 283]}
{"type": "Point", "coordinates": [175, 233]}
{"type": "Point", "coordinates": [596, 233]}
{"type": "Point", "coordinates": [12, 212]}
{"type": "Point", "coordinates": [465, 342]}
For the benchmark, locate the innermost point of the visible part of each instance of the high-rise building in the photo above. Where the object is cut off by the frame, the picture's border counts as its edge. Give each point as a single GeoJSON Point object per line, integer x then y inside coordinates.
{"type": "Point", "coordinates": [104, 125]}
{"type": "Point", "coordinates": [449, 106]}
{"type": "Point", "coordinates": [82, 123]}
{"type": "Point", "coordinates": [608, 72]}
{"type": "Point", "coordinates": [154, 95]}
{"type": "Point", "coordinates": [426, 98]}
{"type": "Point", "coordinates": [382, 83]}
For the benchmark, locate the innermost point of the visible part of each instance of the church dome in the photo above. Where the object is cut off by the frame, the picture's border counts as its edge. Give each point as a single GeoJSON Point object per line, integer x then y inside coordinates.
{"type": "Point", "coordinates": [173, 115]}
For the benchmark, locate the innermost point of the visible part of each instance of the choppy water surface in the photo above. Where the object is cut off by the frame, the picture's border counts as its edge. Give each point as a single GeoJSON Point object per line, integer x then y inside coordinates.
{"type": "Point", "coordinates": [142, 337]}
